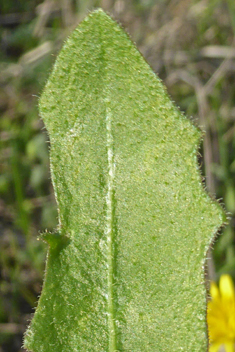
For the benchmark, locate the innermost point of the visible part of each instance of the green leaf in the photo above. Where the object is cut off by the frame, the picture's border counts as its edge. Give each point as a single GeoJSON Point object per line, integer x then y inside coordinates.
{"type": "Point", "coordinates": [134, 220]}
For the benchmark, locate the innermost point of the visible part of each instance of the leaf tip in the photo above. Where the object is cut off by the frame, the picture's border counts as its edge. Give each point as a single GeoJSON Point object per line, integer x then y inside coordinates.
{"type": "Point", "coordinates": [96, 13]}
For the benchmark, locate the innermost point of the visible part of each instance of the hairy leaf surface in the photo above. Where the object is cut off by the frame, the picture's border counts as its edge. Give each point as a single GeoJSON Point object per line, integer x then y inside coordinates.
{"type": "Point", "coordinates": [125, 270]}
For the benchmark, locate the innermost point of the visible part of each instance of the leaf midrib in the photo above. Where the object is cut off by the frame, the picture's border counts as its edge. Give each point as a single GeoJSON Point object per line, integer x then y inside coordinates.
{"type": "Point", "coordinates": [110, 233]}
{"type": "Point", "coordinates": [109, 226]}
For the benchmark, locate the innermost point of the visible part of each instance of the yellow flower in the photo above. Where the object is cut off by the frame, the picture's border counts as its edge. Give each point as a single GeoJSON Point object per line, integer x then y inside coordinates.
{"type": "Point", "coordinates": [221, 315]}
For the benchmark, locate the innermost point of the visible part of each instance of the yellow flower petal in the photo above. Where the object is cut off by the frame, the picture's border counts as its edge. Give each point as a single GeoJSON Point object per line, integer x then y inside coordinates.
{"type": "Point", "coordinates": [214, 347]}
{"type": "Point", "coordinates": [226, 286]}
{"type": "Point", "coordinates": [229, 347]}
{"type": "Point", "coordinates": [214, 291]}
{"type": "Point", "coordinates": [221, 315]}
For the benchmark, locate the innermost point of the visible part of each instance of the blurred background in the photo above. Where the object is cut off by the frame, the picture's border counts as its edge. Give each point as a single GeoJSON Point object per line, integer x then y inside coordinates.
{"type": "Point", "coordinates": [189, 44]}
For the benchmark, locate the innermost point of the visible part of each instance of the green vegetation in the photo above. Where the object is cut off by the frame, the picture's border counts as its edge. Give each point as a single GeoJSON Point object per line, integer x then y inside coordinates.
{"type": "Point", "coordinates": [190, 46]}
{"type": "Point", "coordinates": [125, 268]}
